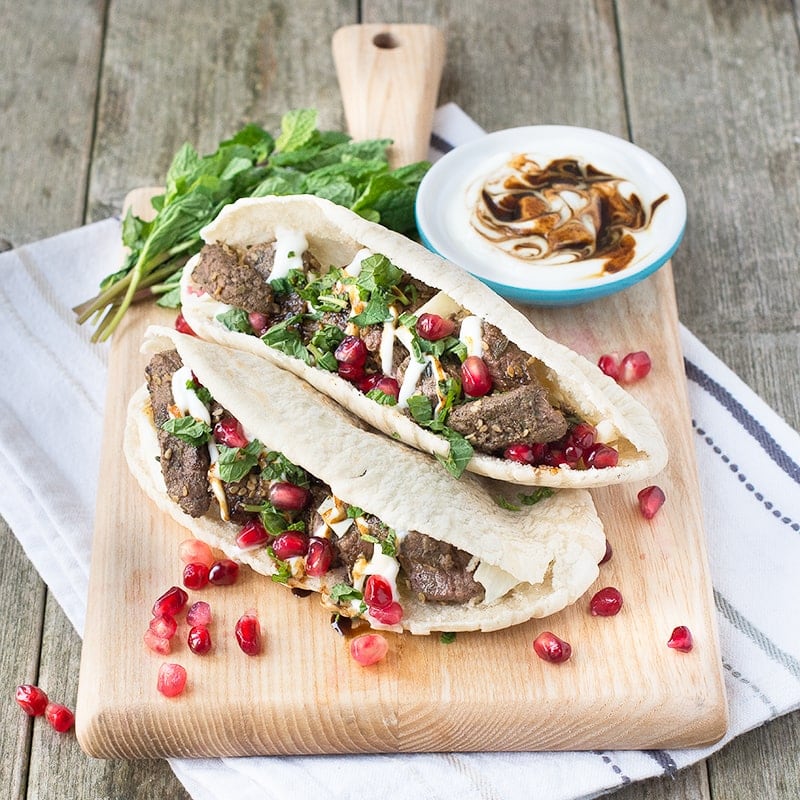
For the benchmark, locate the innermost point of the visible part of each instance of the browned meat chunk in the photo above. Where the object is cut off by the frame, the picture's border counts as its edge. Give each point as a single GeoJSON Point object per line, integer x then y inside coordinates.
{"type": "Point", "coordinates": [226, 277]}
{"type": "Point", "coordinates": [184, 467]}
{"type": "Point", "coordinates": [497, 420]}
{"type": "Point", "coordinates": [437, 571]}
{"type": "Point", "coordinates": [507, 364]}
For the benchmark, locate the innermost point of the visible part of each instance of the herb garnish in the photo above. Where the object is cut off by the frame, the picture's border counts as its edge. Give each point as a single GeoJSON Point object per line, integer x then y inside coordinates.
{"type": "Point", "coordinates": [189, 429]}
{"type": "Point", "coordinates": [235, 462]}
{"type": "Point", "coordinates": [447, 638]}
{"type": "Point", "coordinates": [302, 160]}
{"type": "Point", "coordinates": [539, 493]}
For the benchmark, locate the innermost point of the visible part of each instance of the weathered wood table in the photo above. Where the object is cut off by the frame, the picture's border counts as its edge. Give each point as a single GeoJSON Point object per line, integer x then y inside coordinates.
{"type": "Point", "coordinates": [96, 96]}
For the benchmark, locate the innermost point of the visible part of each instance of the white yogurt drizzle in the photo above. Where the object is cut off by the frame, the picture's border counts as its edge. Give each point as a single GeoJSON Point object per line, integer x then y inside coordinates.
{"type": "Point", "coordinates": [290, 244]}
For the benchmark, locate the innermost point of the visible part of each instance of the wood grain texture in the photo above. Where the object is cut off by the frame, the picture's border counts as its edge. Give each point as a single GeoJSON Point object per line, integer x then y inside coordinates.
{"type": "Point", "coordinates": [389, 79]}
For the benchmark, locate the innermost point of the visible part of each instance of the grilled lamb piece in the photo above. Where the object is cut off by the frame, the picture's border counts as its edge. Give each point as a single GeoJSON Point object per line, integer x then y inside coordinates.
{"type": "Point", "coordinates": [184, 467]}
{"type": "Point", "coordinates": [507, 364]}
{"type": "Point", "coordinates": [493, 422]}
{"type": "Point", "coordinates": [437, 571]}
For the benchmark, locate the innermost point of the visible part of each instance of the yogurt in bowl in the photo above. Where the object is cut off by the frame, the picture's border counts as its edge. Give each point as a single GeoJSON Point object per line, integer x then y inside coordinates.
{"type": "Point", "coordinates": [551, 214]}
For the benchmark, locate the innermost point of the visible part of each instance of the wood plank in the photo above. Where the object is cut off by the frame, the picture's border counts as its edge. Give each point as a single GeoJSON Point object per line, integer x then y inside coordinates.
{"type": "Point", "coordinates": [197, 75]}
{"type": "Point", "coordinates": [22, 600]}
{"type": "Point", "coordinates": [49, 62]}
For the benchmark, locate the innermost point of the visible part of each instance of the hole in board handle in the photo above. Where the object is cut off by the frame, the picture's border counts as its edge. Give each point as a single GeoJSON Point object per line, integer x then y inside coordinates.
{"type": "Point", "coordinates": [385, 41]}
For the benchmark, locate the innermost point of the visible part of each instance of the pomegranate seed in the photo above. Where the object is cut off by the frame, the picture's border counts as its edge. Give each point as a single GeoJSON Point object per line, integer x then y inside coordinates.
{"type": "Point", "coordinates": [164, 626]}
{"type": "Point", "coordinates": [368, 382]}
{"type": "Point", "coordinates": [352, 351]}
{"type": "Point", "coordinates": [651, 498]}
{"type": "Point", "coordinates": [554, 457]}
{"type": "Point", "coordinates": [258, 322]}
{"type": "Point", "coordinates": [475, 377]}
{"type": "Point", "coordinates": [607, 555]}
{"type": "Point", "coordinates": [681, 639]}
{"type": "Point", "coordinates": [61, 719]}
{"type": "Point", "coordinates": [433, 327]}
{"type": "Point", "coordinates": [253, 534]}
{"type": "Point", "coordinates": [582, 435]}
{"type": "Point", "coordinates": [171, 602]}
{"type": "Point", "coordinates": [609, 363]}
{"type": "Point", "coordinates": [319, 556]}
{"type": "Point", "coordinates": [351, 372]}
{"type": "Point", "coordinates": [288, 496]}
{"type": "Point", "coordinates": [195, 551]}
{"type": "Point", "coordinates": [369, 648]}
{"type": "Point", "coordinates": [199, 640]}
{"type": "Point", "coordinates": [199, 613]}
{"type": "Point", "coordinates": [195, 576]}
{"type": "Point", "coordinates": [550, 648]}
{"type": "Point", "coordinates": [182, 326]}
{"type": "Point", "coordinates": [377, 592]}
{"type": "Point", "coordinates": [520, 452]}
{"type": "Point", "coordinates": [388, 386]}
{"type": "Point", "coordinates": [606, 603]}
{"type": "Point", "coordinates": [171, 679]}
{"type": "Point", "coordinates": [158, 644]}
{"type": "Point", "coordinates": [390, 615]}
{"type": "Point", "coordinates": [223, 572]}
{"type": "Point", "coordinates": [634, 367]}
{"type": "Point", "coordinates": [228, 431]}
{"type": "Point", "coordinates": [32, 700]}
{"type": "Point", "coordinates": [601, 456]}
{"type": "Point", "coordinates": [248, 634]}
{"type": "Point", "coordinates": [290, 544]}
{"type": "Point", "coordinates": [572, 455]}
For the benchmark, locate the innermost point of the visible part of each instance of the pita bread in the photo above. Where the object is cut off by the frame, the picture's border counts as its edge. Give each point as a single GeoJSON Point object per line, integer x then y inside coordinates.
{"type": "Point", "coordinates": [551, 548]}
{"type": "Point", "coordinates": [334, 236]}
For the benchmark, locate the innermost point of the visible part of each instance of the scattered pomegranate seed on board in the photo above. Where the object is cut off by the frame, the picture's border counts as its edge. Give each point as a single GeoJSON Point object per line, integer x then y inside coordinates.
{"type": "Point", "coordinates": [195, 576]}
{"type": "Point", "coordinates": [195, 551]}
{"type": "Point", "coordinates": [369, 649]}
{"type": "Point", "coordinates": [223, 572]}
{"type": "Point", "coordinates": [248, 634]}
{"type": "Point", "coordinates": [609, 363]}
{"type": "Point", "coordinates": [199, 640]}
{"type": "Point", "coordinates": [650, 499]}
{"type": "Point", "coordinates": [550, 647]}
{"type": "Point", "coordinates": [606, 603]}
{"type": "Point", "coordinates": [634, 367]}
{"type": "Point", "coordinates": [681, 639]}
{"type": "Point", "coordinates": [171, 602]}
{"type": "Point", "coordinates": [61, 719]}
{"type": "Point", "coordinates": [158, 644]}
{"type": "Point", "coordinates": [164, 626]}
{"type": "Point", "coordinates": [31, 699]}
{"type": "Point", "coordinates": [171, 679]}
{"type": "Point", "coordinates": [199, 613]}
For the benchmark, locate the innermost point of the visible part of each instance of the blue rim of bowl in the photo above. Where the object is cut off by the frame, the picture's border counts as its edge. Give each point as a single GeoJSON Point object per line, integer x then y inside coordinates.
{"type": "Point", "coordinates": [573, 295]}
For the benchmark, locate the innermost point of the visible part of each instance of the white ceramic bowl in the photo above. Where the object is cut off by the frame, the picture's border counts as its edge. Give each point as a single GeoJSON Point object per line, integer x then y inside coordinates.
{"type": "Point", "coordinates": [449, 191]}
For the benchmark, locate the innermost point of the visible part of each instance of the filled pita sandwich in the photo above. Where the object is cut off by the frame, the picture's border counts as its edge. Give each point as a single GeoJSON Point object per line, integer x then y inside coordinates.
{"type": "Point", "coordinates": [413, 345]}
{"type": "Point", "coordinates": [254, 462]}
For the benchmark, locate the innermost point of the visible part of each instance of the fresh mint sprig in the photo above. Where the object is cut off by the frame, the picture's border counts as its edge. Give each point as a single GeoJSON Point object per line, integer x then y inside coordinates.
{"type": "Point", "coordinates": [302, 160]}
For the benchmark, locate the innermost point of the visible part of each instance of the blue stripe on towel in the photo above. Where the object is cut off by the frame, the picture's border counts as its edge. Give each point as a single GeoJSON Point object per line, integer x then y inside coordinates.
{"type": "Point", "coordinates": [745, 419]}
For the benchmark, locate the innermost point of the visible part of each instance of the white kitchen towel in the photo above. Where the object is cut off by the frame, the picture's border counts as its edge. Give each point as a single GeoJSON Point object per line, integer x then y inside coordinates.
{"type": "Point", "coordinates": [51, 408]}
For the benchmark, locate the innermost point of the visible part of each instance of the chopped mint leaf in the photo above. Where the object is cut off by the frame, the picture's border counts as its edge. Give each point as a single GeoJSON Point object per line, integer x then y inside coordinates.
{"type": "Point", "coordinates": [344, 593]}
{"type": "Point", "coordinates": [460, 453]}
{"type": "Point", "coordinates": [235, 462]}
{"type": "Point", "coordinates": [539, 493]}
{"type": "Point", "coordinates": [236, 319]}
{"type": "Point", "coordinates": [278, 468]}
{"type": "Point", "coordinates": [188, 429]}
{"type": "Point", "coordinates": [353, 512]}
{"type": "Point", "coordinates": [381, 397]}
{"type": "Point", "coordinates": [378, 273]}
{"type": "Point", "coordinates": [447, 638]}
{"type": "Point", "coordinates": [202, 393]}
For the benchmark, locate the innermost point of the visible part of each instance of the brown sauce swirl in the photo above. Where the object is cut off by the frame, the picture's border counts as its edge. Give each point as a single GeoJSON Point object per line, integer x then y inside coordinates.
{"type": "Point", "coordinates": [567, 210]}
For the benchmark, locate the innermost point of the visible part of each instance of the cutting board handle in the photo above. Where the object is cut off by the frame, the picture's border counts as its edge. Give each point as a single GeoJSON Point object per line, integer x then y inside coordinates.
{"type": "Point", "coordinates": [389, 76]}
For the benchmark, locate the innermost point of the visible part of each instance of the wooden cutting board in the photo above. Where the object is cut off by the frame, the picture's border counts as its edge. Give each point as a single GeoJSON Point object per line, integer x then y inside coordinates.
{"type": "Point", "coordinates": [622, 689]}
